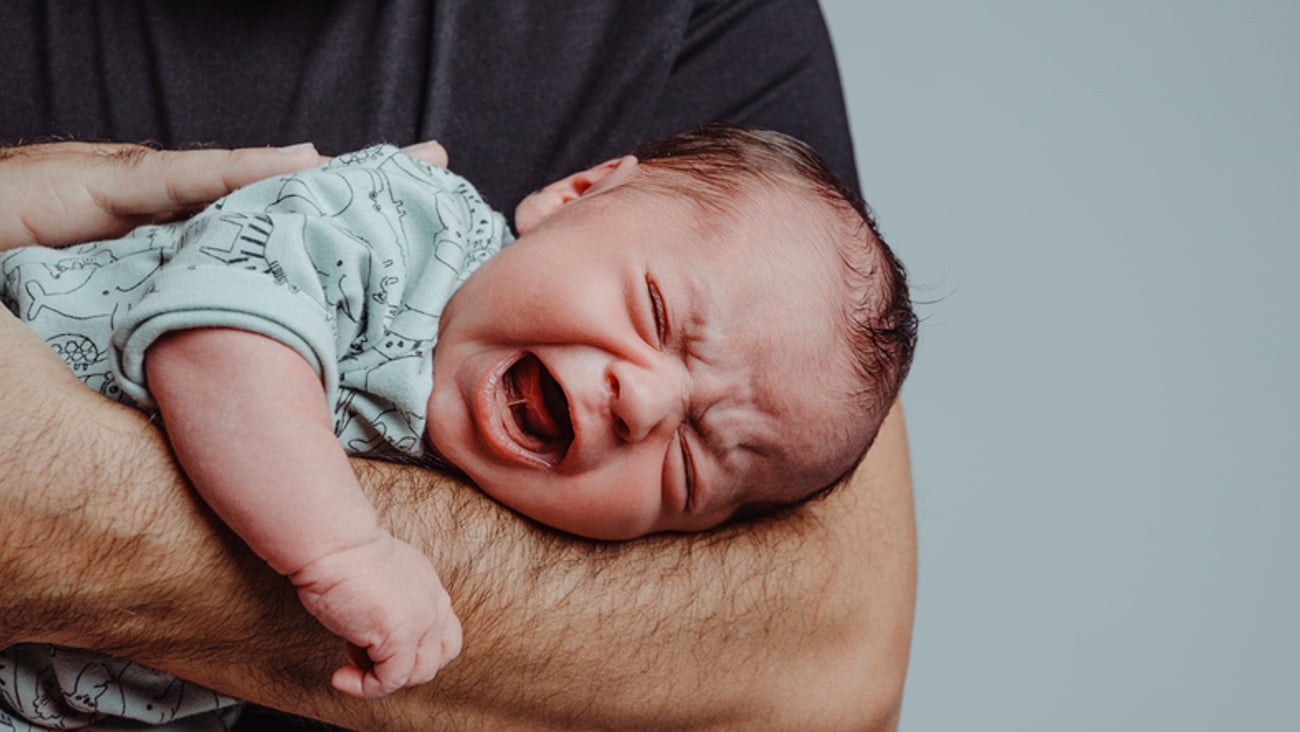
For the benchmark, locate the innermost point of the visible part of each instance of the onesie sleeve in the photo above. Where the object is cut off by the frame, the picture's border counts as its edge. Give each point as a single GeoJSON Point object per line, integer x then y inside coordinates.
{"type": "Point", "coordinates": [281, 258]}
{"type": "Point", "coordinates": [333, 262]}
{"type": "Point", "coordinates": [216, 296]}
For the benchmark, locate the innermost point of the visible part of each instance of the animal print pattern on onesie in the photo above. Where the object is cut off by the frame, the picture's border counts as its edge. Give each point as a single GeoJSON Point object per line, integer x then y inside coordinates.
{"type": "Point", "coordinates": [349, 264]}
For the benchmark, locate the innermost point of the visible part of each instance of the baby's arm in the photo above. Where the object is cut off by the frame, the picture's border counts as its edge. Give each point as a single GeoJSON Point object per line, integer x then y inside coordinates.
{"type": "Point", "coordinates": [248, 421]}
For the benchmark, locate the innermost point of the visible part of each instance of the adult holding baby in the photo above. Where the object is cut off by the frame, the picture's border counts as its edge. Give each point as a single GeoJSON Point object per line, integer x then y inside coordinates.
{"type": "Point", "coordinates": [729, 623]}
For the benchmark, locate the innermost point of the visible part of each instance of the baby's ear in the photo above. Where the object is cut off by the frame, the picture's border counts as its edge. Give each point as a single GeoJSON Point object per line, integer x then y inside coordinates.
{"type": "Point", "coordinates": [534, 209]}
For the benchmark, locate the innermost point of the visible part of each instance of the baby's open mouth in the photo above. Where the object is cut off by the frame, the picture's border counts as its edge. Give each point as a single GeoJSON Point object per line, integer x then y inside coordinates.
{"type": "Point", "coordinates": [539, 409]}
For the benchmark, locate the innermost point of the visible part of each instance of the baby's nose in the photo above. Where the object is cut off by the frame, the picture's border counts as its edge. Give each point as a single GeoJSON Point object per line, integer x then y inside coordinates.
{"type": "Point", "coordinates": [645, 400]}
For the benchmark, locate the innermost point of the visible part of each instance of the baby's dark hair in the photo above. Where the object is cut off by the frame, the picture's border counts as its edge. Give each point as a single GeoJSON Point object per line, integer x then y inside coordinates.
{"type": "Point", "coordinates": [714, 165]}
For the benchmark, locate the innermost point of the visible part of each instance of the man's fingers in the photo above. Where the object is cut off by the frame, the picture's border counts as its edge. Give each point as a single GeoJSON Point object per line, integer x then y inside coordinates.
{"type": "Point", "coordinates": [135, 181]}
{"type": "Point", "coordinates": [430, 152]}
{"type": "Point", "coordinates": [132, 181]}
{"type": "Point", "coordinates": [67, 192]}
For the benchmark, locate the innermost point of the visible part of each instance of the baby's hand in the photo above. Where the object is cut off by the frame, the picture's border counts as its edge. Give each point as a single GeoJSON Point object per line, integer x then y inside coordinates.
{"type": "Point", "coordinates": [385, 599]}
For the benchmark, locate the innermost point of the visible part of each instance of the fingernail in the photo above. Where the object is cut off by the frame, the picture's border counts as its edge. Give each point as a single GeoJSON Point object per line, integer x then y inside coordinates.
{"type": "Point", "coordinates": [294, 149]}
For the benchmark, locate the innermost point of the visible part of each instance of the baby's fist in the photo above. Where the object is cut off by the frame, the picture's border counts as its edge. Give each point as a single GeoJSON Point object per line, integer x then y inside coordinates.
{"type": "Point", "coordinates": [386, 600]}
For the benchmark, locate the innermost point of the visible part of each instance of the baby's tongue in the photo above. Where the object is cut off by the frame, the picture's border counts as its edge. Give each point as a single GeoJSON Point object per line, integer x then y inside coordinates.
{"type": "Point", "coordinates": [546, 411]}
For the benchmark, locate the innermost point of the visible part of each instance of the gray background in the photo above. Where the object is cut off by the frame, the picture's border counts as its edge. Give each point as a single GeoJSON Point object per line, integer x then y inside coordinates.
{"type": "Point", "coordinates": [1100, 200]}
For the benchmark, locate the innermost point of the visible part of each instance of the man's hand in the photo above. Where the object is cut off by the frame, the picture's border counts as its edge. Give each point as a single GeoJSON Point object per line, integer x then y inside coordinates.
{"type": "Point", "coordinates": [68, 192]}
{"type": "Point", "coordinates": [386, 600]}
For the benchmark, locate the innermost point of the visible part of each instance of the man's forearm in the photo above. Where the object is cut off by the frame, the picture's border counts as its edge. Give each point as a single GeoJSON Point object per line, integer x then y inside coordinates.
{"type": "Point", "coordinates": [803, 622]}
{"type": "Point", "coordinates": [796, 622]}
{"type": "Point", "coordinates": [95, 518]}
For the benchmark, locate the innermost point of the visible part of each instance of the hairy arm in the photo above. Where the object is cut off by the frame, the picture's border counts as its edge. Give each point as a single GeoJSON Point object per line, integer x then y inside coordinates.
{"type": "Point", "coordinates": [803, 622]}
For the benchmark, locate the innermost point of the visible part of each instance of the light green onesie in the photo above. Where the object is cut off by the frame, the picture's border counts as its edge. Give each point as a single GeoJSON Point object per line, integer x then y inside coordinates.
{"type": "Point", "coordinates": [349, 264]}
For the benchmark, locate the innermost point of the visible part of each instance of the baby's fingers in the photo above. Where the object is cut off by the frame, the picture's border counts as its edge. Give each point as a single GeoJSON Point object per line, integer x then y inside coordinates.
{"type": "Point", "coordinates": [381, 679]}
{"type": "Point", "coordinates": [436, 650]}
{"type": "Point", "coordinates": [367, 679]}
{"type": "Point", "coordinates": [350, 680]}
{"type": "Point", "coordinates": [450, 641]}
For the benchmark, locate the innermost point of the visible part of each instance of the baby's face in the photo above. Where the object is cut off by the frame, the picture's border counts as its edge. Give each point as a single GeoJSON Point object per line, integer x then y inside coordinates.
{"type": "Point", "coordinates": [612, 375]}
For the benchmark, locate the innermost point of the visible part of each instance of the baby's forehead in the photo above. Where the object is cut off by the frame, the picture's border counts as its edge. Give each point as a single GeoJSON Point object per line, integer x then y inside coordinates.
{"type": "Point", "coordinates": [777, 222]}
{"type": "Point", "coordinates": [789, 253]}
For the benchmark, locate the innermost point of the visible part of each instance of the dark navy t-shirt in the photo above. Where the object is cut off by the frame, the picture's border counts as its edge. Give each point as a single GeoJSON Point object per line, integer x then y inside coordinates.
{"type": "Point", "coordinates": [520, 93]}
